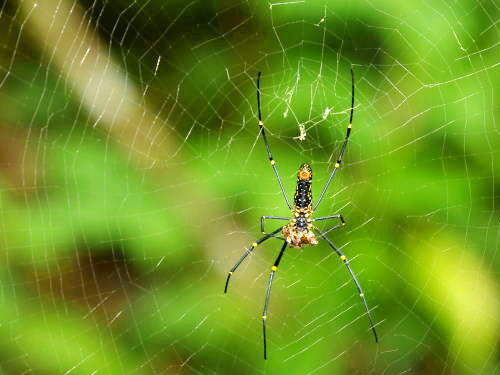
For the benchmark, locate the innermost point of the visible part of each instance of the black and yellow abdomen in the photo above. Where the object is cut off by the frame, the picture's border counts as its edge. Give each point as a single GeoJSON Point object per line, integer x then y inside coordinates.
{"type": "Point", "coordinates": [303, 194]}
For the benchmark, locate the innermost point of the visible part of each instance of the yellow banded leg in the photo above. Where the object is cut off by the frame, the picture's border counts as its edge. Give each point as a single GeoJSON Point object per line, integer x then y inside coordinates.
{"type": "Point", "coordinates": [356, 282]}
{"type": "Point", "coordinates": [264, 316]}
{"type": "Point", "coordinates": [247, 252]}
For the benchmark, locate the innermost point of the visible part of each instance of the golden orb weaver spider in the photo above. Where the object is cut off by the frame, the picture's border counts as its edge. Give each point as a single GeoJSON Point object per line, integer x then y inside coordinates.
{"type": "Point", "coordinates": [300, 227]}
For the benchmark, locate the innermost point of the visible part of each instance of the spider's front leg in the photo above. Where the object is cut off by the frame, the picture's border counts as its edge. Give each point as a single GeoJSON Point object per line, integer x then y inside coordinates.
{"type": "Point", "coordinates": [344, 259]}
{"type": "Point", "coordinates": [274, 268]}
{"type": "Point", "coordinates": [247, 252]}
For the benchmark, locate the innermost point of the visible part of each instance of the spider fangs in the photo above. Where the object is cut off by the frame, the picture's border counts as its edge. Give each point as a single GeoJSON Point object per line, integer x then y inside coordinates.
{"type": "Point", "coordinates": [299, 232]}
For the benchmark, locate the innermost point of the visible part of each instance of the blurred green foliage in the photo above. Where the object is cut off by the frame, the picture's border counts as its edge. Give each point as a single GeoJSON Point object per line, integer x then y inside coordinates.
{"type": "Point", "coordinates": [111, 267]}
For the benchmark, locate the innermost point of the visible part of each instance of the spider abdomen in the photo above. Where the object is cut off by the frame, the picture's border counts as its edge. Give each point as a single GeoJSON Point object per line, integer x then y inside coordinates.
{"type": "Point", "coordinates": [303, 195]}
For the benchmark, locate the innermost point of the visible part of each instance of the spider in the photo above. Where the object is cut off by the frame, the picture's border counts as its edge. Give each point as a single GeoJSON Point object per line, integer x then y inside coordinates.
{"type": "Point", "coordinates": [300, 228]}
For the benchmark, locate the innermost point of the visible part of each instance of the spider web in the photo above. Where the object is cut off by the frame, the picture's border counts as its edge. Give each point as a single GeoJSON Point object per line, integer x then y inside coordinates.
{"type": "Point", "coordinates": [133, 177]}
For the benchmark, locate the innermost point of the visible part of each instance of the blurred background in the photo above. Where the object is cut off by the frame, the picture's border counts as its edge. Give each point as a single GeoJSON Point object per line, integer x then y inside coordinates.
{"type": "Point", "coordinates": [132, 177]}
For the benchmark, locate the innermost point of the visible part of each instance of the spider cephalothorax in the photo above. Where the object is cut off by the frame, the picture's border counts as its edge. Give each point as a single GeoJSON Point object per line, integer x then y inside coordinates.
{"type": "Point", "coordinates": [298, 237]}
{"type": "Point", "coordinates": [300, 229]}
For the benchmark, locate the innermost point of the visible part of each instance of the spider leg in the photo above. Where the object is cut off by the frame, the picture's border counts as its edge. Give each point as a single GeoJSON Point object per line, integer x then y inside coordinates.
{"type": "Point", "coordinates": [332, 228]}
{"type": "Point", "coordinates": [274, 268]}
{"type": "Point", "coordinates": [358, 286]}
{"type": "Point", "coordinates": [268, 148]}
{"type": "Point", "coordinates": [263, 219]}
{"type": "Point", "coordinates": [247, 252]}
{"type": "Point", "coordinates": [342, 222]}
{"type": "Point", "coordinates": [342, 150]}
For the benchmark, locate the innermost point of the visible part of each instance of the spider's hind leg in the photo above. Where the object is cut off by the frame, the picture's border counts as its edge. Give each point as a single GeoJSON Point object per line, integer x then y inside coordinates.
{"type": "Point", "coordinates": [268, 147]}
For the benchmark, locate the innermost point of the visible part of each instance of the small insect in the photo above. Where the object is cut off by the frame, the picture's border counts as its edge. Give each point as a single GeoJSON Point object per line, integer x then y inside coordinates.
{"type": "Point", "coordinates": [300, 228]}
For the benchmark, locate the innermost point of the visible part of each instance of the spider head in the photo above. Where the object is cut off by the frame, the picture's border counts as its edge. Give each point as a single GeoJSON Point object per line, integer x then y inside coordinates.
{"type": "Point", "coordinates": [305, 172]}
